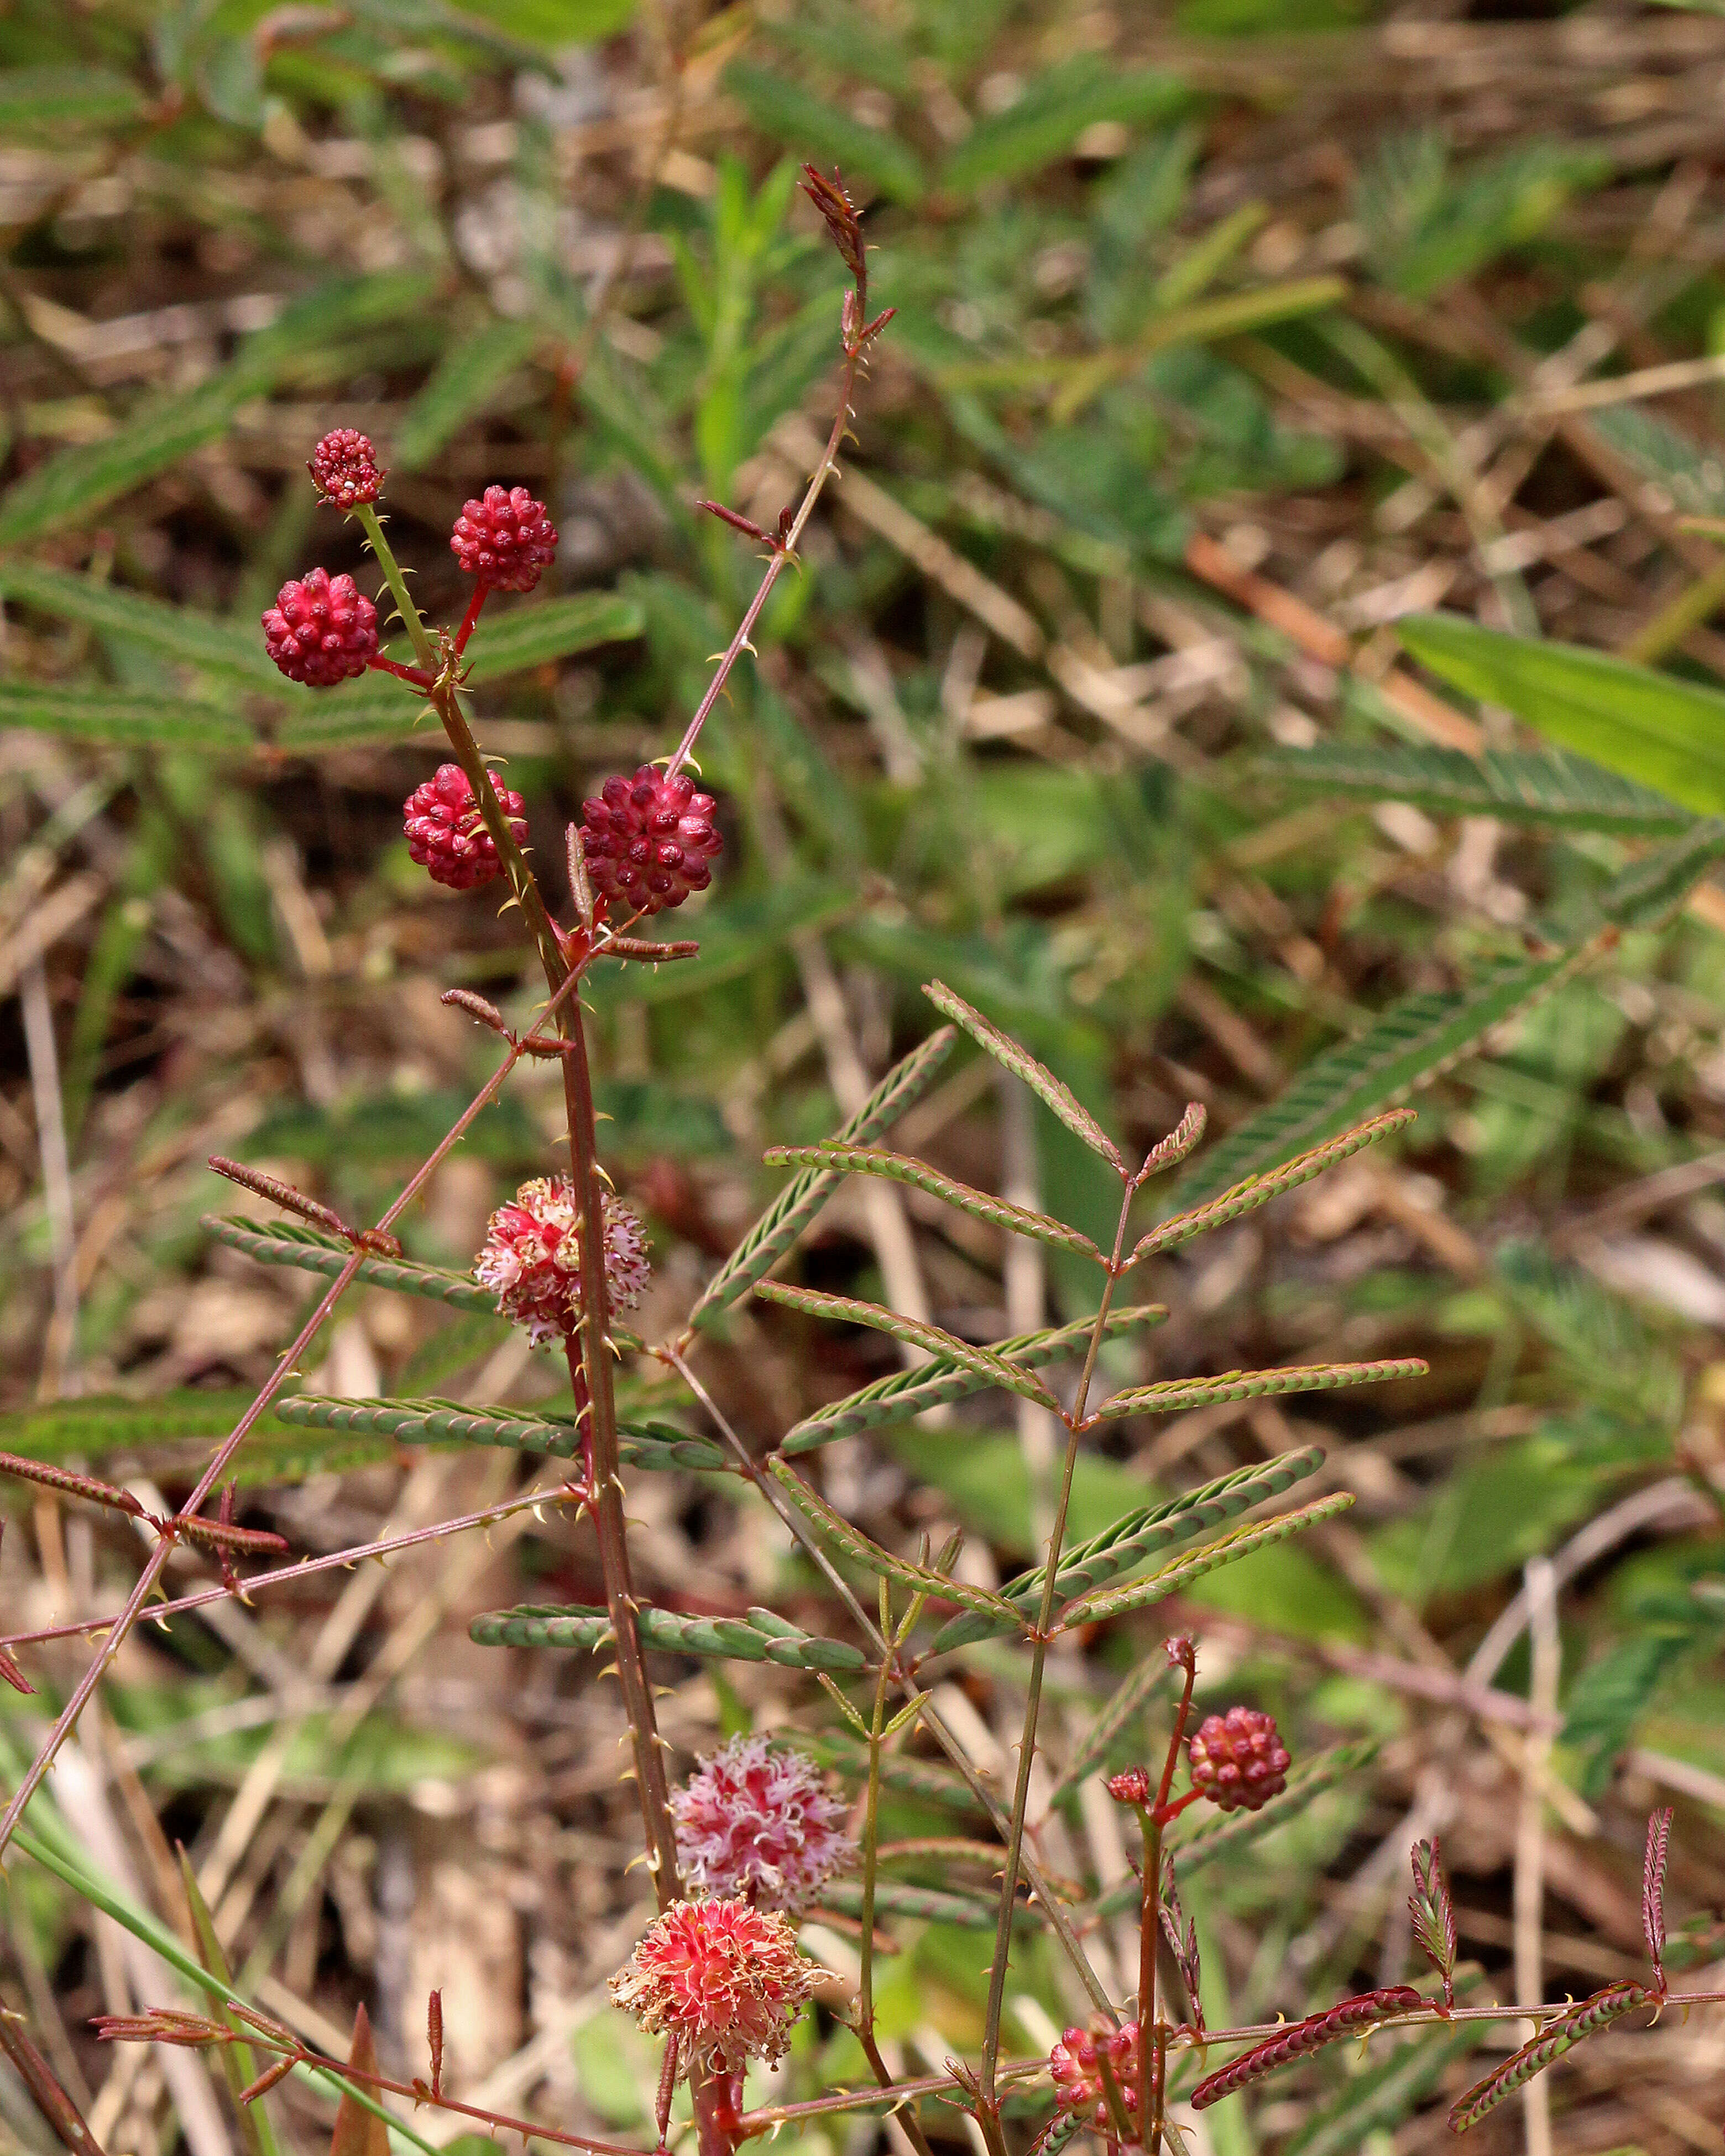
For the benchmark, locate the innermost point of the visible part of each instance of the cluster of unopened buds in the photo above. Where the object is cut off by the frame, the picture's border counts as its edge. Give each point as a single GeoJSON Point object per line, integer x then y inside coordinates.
{"type": "Point", "coordinates": [1237, 1760]}
{"type": "Point", "coordinates": [1082, 2065]}
{"type": "Point", "coordinates": [648, 840]}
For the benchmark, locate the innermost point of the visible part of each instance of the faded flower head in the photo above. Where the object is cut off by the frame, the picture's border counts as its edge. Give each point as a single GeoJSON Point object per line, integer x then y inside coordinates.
{"type": "Point", "coordinates": [1238, 1760]}
{"type": "Point", "coordinates": [532, 1260]}
{"type": "Point", "coordinates": [760, 1824]}
{"type": "Point", "coordinates": [505, 539]}
{"type": "Point", "coordinates": [321, 629]}
{"type": "Point", "coordinates": [723, 1980]}
{"type": "Point", "coordinates": [344, 468]}
{"type": "Point", "coordinates": [1077, 2076]}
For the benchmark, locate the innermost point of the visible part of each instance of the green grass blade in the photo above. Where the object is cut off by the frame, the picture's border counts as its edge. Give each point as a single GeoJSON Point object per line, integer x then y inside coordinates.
{"type": "Point", "coordinates": [899, 1168]}
{"type": "Point", "coordinates": [1652, 728]}
{"type": "Point", "coordinates": [1408, 1044]}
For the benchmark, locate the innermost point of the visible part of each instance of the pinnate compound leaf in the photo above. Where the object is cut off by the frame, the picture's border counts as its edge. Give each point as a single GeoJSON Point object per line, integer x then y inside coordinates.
{"type": "Point", "coordinates": [1655, 729]}
{"type": "Point", "coordinates": [1178, 1394]}
{"type": "Point", "coordinates": [447, 1422]}
{"type": "Point", "coordinates": [1048, 1089]}
{"type": "Point", "coordinates": [1258, 1189]}
{"type": "Point", "coordinates": [58, 97]}
{"type": "Point", "coordinates": [985, 1363]}
{"type": "Point", "coordinates": [788, 115]}
{"type": "Point", "coordinates": [932, 1905]}
{"type": "Point", "coordinates": [1053, 110]}
{"type": "Point", "coordinates": [121, 718]}
{"type": "Point", "coordinates": [1560, 2035]}
{"type": "Point", "coordinates": [373, 711]}
{"type": "Point", "coordinates": [1413, 1041]}
{"type": "Point", "coordinates": [94, 1426]}
{"type": "Point", "coordinates": [923, 1579]}
{"type": "Point", "coordinates": [181, 633]}
{"type": "Point", "coordinates": [1659, 1839]}
{"type": "Point", "coordinates": [1093, 1608]}
{"type": "Point", "coordinates": [1647, 892]}
{"type": "Point", "coordinates": [1548, 786]}
{"type": "Point", "coordinates": [760, 1637]}
{"type": "Point", "coordinates": [785, 1219]}
{"type": "Point", "coordinates": [908, 1393]}
{"type": "Point", "coordinates": [80, 480]}
{"type": "Point", "coordinates": [1142, 1533]}
{"type": "Point", "coordinates": [1224, 1831]}
{"type": "Point", "coordinates": [459, 387]}
{"type": "Point", "coordinates": [1348, 2018]}
{"type": "Point", "coordinates": [532, 635]}
{"type": "Point", "coordinates": [287, 1243]}
{"type": "Point", "coordinates": [900, 1167]}
{"type": "Point", "coordinates": [1433, 1912]}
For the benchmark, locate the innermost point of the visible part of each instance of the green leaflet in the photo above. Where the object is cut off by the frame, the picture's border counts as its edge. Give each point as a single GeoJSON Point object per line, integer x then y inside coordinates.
{"type": "Point", "coordinates": [1548, 786]}
{"type": "Point", "coordinates": [94, 1427]}
{"type": "Point", "coordinates": [899, 1168]}
{"type": "Point", "coordinates": [287, 1243]}
{"type": "Point", "coordinates": [121, 718]}
{"type": "Point", "coordinates": [1176, 1395]}
{"type": "Point", "coordinates": [1054, 111]}
{"type": "Point", "coordinates": [372, 710]}
{"type": "Point", "coordinates": [848, 1310]}
{"type": "Point", "coordinates": [182, 633]}
{"type": "Point", "coordinates": [1006, 1051]}
{"type": "Point", "coordinates": [882, 1563]}
{"type": "Point", "coordinates": [906, 1393]}
{"type": "Point", "coordinates": [446, 1422]}
{"type": "Point", "coordinates": [1411, 1042]}
{"type": "Point", "coordinates": [761, 1637]}
{"type": "Point", "coordinates": [1649, 890]}
{"type": "Point", "coordinates": [531, 634]}
{"type": "Point", "coordinates": [784, 1220]}
{"type": "Point", "coordinates": [792, 117]}
{"type": "Point", "coordinates": [1653, 728]}
{"type": "Point", "coordinates": [894, 1897]}
{"type": "Point", "coordinates": [1141, 1534]}
{"type": "Point", "coordinates": [460, 386]}
{"type": "Point", "coordinates": [1094, 1607]}
{"type": "Point", "coordinates": [57, 97]}
{"type": "Point", "coordinates": [1257, 1189]}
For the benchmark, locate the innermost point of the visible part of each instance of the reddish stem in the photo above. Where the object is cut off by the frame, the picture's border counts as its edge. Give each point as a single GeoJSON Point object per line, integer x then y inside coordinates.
{"type": "Point", "coordinates": [475, 606]}
{"type": "Point", "coordinates": [419, 678]}
{"type": "Point", "coordinates": [1164, 1812]}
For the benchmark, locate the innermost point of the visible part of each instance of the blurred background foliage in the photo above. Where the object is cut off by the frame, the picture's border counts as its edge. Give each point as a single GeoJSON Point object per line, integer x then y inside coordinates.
{"type": "Point", "coordinates": [1228, 335]}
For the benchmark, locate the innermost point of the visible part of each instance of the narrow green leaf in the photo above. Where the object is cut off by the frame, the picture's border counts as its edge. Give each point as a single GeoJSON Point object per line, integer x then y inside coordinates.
{"type": "Point", "coordinates": [849, 1310]}
{"type": "Point", "coordinates": [1096, 1607]}
{"type": "Point", "coordinates": [1258, 1189]}
{"type": "Point", "coordinates": [1041, 1080]}
{"type": "Point", "coordinates": [908, 1393]}
{"type": "Point", "coordinates": [881, 1563]}
{"type": "Point", "coordinates": [791, 118]}
{"type": "Point", "coordinates": [668, 1631]}
{"type": "Point", "coordinates": [1408, 1044]}
{"type": "Point", "coordinates": [446, 1422]}
{"type": "Point", "coordinates": [1653, 728]}
{"type": "Point", "coordinates": [784, 1220]}
{"type": "Point", "coordinates": [533, 634]}
{"type": "Point", "coordinates": [1543, 786]}
{"type": "Point", "coordinates": [356, 716]}
{"type": "Point", "coordinates": [1649, 890]}
{"type": "Point", "coordinates": [1054, 111]}
{"type": "Point", "coordinates": [286, 1243]}
{"type": "Point", "coordinates": [930, 1905]}
{"type": "Point", "coordinates": [55, 97]}
{"type": "Point", "coordinates": [1142, 1533]}
{"type": "Point", "coordinates": [899, 1168]}
{"type": "Point", "coordinates": [1174, 1395]}
{"type": "Point", "coordinates": [102, 1423]}
{"type": "Point", "coordinates": [182, 633]}
{"type": "Point", "coordinates": [458, 388]}
{"type": "Point", "coordinates": [121, 718]}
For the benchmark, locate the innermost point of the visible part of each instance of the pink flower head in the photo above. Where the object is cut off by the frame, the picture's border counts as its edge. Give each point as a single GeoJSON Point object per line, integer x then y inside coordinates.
{"type": "Point", "coordinates": [760, 1824]}
{"type": "Point", "coordinates": [723, 1981]}
{"type": "Point", "coordinates": [1078, 2076]}
{"type": "Point", "coordinates": [446, 833]}
{"type": "Point", "coordinates": [532, 1260]}
{"type": "Point", "coordinates": [505, 539]}
{"type": "Point", "coordinates": [321, 629]}
{"type": "Point", "coordinates": [344, 468]}
{"type": "Point", "coordinates": [1238, 1760]}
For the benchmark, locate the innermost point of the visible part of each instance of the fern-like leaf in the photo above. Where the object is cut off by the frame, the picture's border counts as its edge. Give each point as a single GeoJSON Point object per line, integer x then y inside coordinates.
{"type": "Point", "coordinates": [1659, 1840]}
{"type": "Point", "coordinates": [1433, 1914]}
{"type": "Point", "coordinates": [287, 1243]}
{"type": "Point", "coordinates": [1096, 1607]}
{"type": "Point", "coordinates": [923, 1579]}
{"type": "Point", "coordinates": [900, 1167]}
{"type": "Point", "coordinates": [1173, 1394]}
{"type": "Point", "coordinates": [761, 1637]}
{"type": "Point", "coordinates": [1560, 2035]}
{"type": "Point", "coordinates": [992, 1368]}
{"type": "Point", "coordinates": [654, 1445]}
{"type": "Point", "coordinates": [1048, 1089]}
{"type": "Point", "coordinates": [1551, 786]}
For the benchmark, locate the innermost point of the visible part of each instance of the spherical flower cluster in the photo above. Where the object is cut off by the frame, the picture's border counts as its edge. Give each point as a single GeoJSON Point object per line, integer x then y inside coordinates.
{"type": "Point", "coordinates": [1078, 2076]}
{"type": "Point", "coordinates": [505, 539]}
{"type": "Point", "coordinates": [648, 839]}
{"type": "Point", "coordinates": [532, 1260]}
{"type": "Point", "coordinates": [723, 1980]}
{"type": "Point", "coordinates": [446, 834]}
{"type": "Point", "coordinates": [321, 629]}
{"type": "Point", "coordinates": [1238, 1760]}
{"type": "Point", "coordinates": [344, 468]}
{"type": "Point", "coordinates": [760, 1824]}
